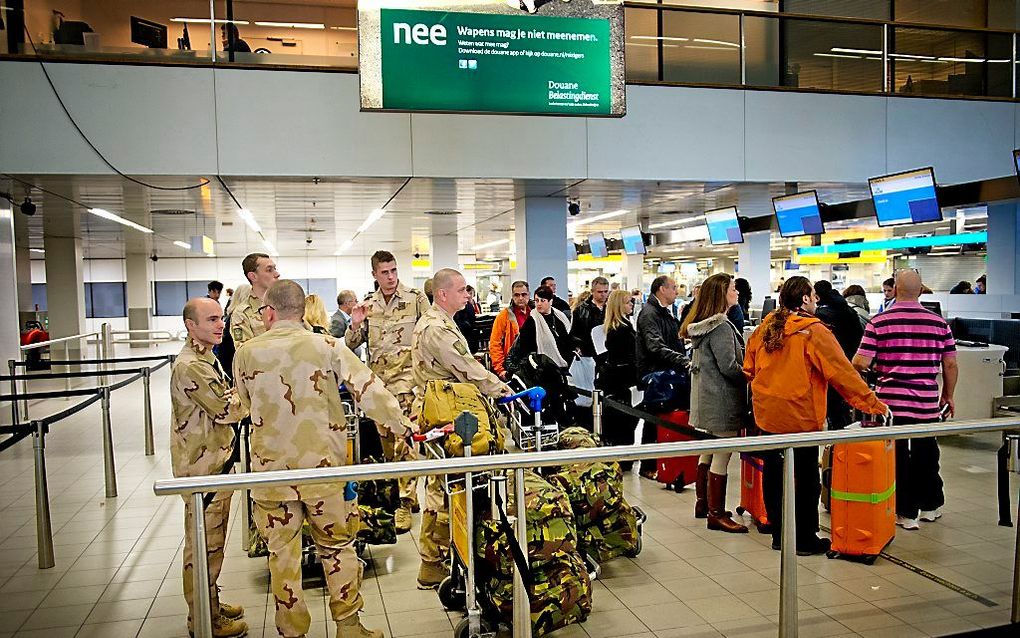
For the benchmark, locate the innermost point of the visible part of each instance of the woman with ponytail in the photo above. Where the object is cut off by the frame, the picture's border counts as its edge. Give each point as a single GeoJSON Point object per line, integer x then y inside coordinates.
{"type": "Point", "coordinates": [791, 360]}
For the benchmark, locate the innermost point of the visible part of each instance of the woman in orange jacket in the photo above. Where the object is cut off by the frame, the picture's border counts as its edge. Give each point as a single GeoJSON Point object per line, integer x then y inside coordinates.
{"type": "Point", "coordinates": [791, 360]}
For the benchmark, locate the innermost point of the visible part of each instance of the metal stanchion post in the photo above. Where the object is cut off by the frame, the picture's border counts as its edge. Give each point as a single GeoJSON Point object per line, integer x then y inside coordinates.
{"type": "Point", "coordinates": [242, 441]}
{"type": "Point", "coordinates": [24, 388]}
{"type": "Point", "coordinates": [43, 529]}
{"type": "Point", "coordinates": [150, 447]}
{"type": "Point", "coordinates": [1014, 615]}
{"type": "Point", "coordinates": [67, 368]}
{"type": "Point", "coordinates": [522, 604]}
{"type": "Point", "coordinates": [108, 463]}
{"type": "Point", "coordinates": [788, 560]}
{"type": "Point", "coordinates": [14, 393]}
{"type": "Point", "coordinates": [107, 337]}
{"type": "Point", "coordinates": [596, 412]}
{"type": "Point", "coordinates": [203, 598]}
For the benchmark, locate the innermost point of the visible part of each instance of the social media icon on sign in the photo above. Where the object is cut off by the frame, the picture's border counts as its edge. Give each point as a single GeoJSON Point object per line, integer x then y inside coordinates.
{"type": "Point", "coordinates": [462, 63]}
{"type": "Point", "coordinates": [472, 64]}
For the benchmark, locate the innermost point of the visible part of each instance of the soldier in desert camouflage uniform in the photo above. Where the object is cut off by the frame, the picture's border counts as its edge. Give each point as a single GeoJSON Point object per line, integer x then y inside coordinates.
{"type": "Point", "coordinates": [385, 321]}
{"type": "Point", "coordinates": [290, 378]}
{"type": "Point", "coordinates": [201, 443]}
{"type": "Point", "coordinates": [245, 316]}
{"type": "Point", "coordinates": [440, 352]}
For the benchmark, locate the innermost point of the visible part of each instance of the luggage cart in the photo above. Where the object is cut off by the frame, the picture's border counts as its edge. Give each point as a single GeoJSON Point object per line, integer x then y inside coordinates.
{"type": "Point", "coordinates": [539, 435]}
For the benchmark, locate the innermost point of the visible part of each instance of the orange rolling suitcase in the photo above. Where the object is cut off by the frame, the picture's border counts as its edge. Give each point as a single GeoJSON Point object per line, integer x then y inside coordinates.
{"type": "Point", "coordinates": [863, 499]}
{"type": "Point", "coordinates": [752, 498]}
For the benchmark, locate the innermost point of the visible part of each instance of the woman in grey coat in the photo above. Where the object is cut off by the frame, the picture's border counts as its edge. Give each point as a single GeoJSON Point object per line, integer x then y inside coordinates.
{"type": "Point", "coordinates": [718, 392]}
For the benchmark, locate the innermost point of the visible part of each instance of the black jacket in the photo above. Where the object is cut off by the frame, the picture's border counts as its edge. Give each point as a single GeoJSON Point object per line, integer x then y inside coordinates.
{"type": "Point", "coordinates": [561, 305]}
{"type": "Point", "coordinates": [466, 321]}
{"type": "Point", "coordinates": [616, 369]}
{"type": "Point", "coordinates": [737, 317]}
{"type": "Point", "coordinates": [836, 313]}
{"type": "Point", "coordinates": [586, 317]}
{"type": "Point", "coordinates": [526, 342]}
{"type": "Point", "coordinates": [658, 340]}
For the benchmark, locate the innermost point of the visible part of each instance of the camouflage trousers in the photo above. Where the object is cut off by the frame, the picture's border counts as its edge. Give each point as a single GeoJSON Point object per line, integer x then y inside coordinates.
{"type": "Point", "coordinates": [395, 449]}
{"type": "Point", "coordinates": [434, 537]}
{"type": "Point", "coordinates": [334, 524]}
{"type": "Point", "coordinates": [215, 536]}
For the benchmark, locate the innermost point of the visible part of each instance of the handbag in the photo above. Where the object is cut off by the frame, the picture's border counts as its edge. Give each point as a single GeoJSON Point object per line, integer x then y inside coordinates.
{"type": "Point", "coordinates": [666, 391]}
{"type": "Point", "coordinates": [582, 375]}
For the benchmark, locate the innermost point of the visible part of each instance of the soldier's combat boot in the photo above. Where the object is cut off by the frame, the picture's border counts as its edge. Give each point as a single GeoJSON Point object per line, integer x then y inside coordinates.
{"type": "Point", "coordinates": [402, 517]}
{"type": "Point", "coordinates": [431, 574]}
{"type": "Point", "coordinates": [223, 627]}
{"type": "Point", "coordinates": [352, 628]}
{"type": "Point", "coordinates": [233, 612]}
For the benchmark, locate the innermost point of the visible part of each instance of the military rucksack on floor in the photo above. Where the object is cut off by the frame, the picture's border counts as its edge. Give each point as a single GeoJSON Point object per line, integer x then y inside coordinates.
{"type": "Point", "coordinates": [606, 524]}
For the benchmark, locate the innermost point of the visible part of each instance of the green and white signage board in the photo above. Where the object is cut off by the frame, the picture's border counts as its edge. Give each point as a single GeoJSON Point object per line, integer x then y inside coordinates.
{"type": "Point", "coordinates": [488, 57]}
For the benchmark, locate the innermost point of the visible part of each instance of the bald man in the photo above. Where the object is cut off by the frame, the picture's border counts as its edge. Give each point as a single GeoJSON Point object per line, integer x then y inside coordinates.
{"type": "Point", "coordinates": [908, 346]}
{"type": "Point", "coordinates": [205, 408]}
{"type": "Point", "coordinates": [440, 352]}
{"type": "Point", "coordinates": [289, 377]}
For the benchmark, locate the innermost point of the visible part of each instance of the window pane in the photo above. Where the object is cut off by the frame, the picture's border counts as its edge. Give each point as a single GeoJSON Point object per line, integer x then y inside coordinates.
{"type": "Point", "coordinates": [198, 289]}
{"type": "Point", "coordinates": [325, 288]}
{"type": "Point", "coordinates": [108, 300]}
{"type": "Point", "coordinates": [88, 300]}
{"type": "Point", "coordinates": [955, 13]}
{"type": "Point", "coordinates": [642, 45]}
{"type": "Point", "coordinates": [829, 55]}
{"type": "Point", "coordinates": [869, 9]}
{"type": "Point", "coordinates": [937, 62]}
{"type": "Point", "coordinates": [701, 48]}
{"type": "Point", "coordinates": [39, 296]}
{"type": "Point", "coordinates": [170, 297]}
{"type": "Point", "coordinates": [761, 51]}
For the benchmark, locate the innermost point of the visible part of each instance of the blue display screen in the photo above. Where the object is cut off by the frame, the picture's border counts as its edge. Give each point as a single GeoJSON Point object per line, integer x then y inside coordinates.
{"type": "Point", "coordinates": [798, 214]}
{"type": "Point", "coordinates": [597, 243]}
{"type": "Point", "coordinates": [905, 198]}
{"type": "Point", "coordinates": [633, 242]}
{"type": "Point", "coordinates": [723, 227]}
{"type": "Point", "coordinates": [1016, 161]}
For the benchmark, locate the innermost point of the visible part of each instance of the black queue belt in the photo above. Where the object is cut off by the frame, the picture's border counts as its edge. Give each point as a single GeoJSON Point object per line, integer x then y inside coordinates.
{"type": "Point", "coordinates": [20, 432]}
{"type": "Point", "coordinates": [166, 358]}
{"type": "Point", "coordinates": [647, 417]}
{"type": "Point", "coordinates": [71, 375]}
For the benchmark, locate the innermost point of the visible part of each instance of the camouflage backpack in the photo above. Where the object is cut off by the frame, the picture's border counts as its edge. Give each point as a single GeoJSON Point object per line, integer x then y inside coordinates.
{"type": "Point", "coordinates": [560, 594]}
{"type": "Point", "coordinates": [444, 401]}
{"type": "Point", "coordinates": [550, 526]}
{"type": "Point", "coordinates": [606, 524]}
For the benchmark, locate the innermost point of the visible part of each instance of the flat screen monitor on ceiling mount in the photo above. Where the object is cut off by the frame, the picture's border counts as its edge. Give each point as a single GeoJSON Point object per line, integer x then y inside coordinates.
{"type": "Point", "coordinates": [597, 245]}
{"type": "Point", "coordinates": [905, 198]}
{"type": "Point", "coordinates": [1016, 162]}
{"type": "Point", "coordinates": [798, 214]}
{"type": "Point", "coordinates": [633, 242]}
{"type": "Point", "coordinates": [723, 226]}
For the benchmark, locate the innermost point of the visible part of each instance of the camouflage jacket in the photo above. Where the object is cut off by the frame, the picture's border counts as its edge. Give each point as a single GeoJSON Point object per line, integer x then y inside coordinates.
{"type": "Point", "coordinates": [246, 320]}
{"type": "Point", "coordinates": [289, 377]}
{"type": "Point", "coordinates": [388, 334]}
{"type": "Point", "coordinates": [440, 352]}
{"type": "Point", "coordinates": [204, 407]}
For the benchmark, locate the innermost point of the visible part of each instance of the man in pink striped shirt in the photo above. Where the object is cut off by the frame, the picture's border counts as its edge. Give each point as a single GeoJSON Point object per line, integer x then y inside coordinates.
{"type": "Point", "coordinates": [907, 346]}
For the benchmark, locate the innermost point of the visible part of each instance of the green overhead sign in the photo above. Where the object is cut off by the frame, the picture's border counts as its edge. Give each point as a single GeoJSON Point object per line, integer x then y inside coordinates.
{"type": "Point", "coordinates": [493, 62]}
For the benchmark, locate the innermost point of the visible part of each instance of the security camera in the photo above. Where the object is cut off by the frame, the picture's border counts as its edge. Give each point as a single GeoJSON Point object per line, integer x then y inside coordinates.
{"type": "Point", "coordinates": [417, 255]}
{"type": "Point", "coordinates": [308, 241]}
{"type": "Point", "coordinates": [154, 257]}
{"type": "Point", "coordinates": [574, 208]}
{"type": "Point", "coordinates": [27, 207]}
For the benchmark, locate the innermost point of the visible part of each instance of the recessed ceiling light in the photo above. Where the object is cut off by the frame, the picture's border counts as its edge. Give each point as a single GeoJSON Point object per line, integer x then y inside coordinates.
{"type": "Point", "coordinates": [105, 214]}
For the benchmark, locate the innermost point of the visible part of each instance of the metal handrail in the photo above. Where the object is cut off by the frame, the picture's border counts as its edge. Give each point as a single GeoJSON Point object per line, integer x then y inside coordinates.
{"type": "Point", "coordinates": [367, 472]}
{"type": "Point", "coordinates": [43, 344]}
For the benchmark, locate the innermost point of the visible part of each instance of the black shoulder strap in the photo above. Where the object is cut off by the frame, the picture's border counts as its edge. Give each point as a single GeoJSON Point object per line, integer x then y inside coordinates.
{"type": "Point", "coordinates": [520, 560]}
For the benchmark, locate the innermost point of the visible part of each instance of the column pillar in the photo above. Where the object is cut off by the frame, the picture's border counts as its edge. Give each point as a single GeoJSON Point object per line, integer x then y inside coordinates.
{"type": "Point", "coordinates": [10, 340]}
{"type": "Point", "coordinates": [443, 243]}
{"type": "Point", "coordinates": [23, 266]}
{"type": "Point", "coordinates": [633, 272]}
{"type": "Point", "coordinates": [723, 264]}
{"type": "Point", "coordinates": [755, 256]}
{"type": "Point", "coordinates": [139, 282]}
{"type": "Point", "coordinates": [541, 233]}
{"type": "Point", "coordinates": [1003, 239]}
{"type": "Point", "coordinates": [65, 287]}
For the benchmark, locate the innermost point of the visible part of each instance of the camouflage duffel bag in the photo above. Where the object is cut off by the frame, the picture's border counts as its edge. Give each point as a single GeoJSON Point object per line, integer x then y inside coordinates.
{"type": "Point", "coordinates": [377, 502]}
{"type": "Point", "coordinates": [606, 524]}
{"type": "Point", "coordinates": [550, 522]}
{"type": "Point", "coordinates": [444, 401]}
{"type": "Point", "coordinates": [560, 594]}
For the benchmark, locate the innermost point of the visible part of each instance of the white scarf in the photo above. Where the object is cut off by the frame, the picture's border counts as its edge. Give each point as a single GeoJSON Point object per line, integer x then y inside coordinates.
{"type": "Point", "coordinates": [544, 339]}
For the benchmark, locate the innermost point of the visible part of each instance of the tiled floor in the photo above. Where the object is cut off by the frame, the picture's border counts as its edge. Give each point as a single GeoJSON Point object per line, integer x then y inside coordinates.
{"type": "Point", "coordinates": [118, 560]}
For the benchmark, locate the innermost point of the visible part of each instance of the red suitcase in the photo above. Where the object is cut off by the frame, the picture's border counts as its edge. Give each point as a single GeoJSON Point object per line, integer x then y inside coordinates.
{"type": "Point", "coordinates": [676, 472]}
{"type": "Point", "coordinates": [752, 497]}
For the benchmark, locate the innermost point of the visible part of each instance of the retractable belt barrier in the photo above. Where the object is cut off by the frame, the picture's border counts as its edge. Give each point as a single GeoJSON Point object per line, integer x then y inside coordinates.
{"type": "Point", "coordinates": [647, 417]}
{"type": "Point", "coordinates": [39, 427]}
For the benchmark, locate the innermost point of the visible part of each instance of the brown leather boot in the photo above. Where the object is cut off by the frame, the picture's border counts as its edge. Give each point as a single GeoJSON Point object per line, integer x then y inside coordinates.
{"type": "Point", "coordinates": [718, 518]}
{"type": "Point", "coordinates": [701, 492]}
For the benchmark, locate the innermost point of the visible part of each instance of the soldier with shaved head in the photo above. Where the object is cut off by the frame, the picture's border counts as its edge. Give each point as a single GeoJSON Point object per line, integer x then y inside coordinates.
{"type": "Point", "coordinates": [440, 352]}
{"type": "Point", "coordinates": [205, 408]}
{"type": "Point", "coordinates": [289, 378]}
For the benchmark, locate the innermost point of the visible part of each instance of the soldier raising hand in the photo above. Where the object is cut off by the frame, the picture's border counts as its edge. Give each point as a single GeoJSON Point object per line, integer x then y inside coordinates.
{"type": "Point", "coordinates": [290, 378]}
